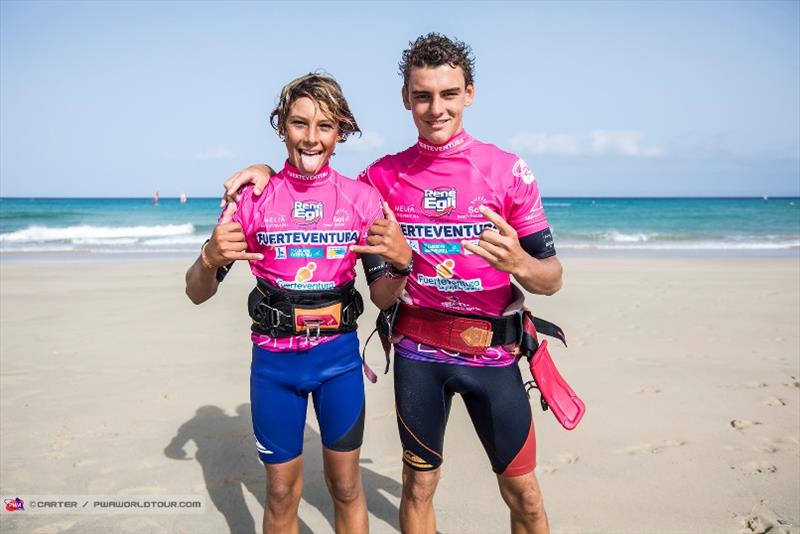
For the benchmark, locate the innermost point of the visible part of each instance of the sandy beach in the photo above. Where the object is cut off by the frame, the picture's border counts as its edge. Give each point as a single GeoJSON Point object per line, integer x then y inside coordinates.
{"type": "Point", "coordinates": [113, 383]}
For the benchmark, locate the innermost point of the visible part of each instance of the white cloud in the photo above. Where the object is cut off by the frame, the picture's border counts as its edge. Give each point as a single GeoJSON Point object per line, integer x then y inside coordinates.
{"type": "Point", "coordinates": [368, 142]}
{"type": "Point", "coordinates": [542, 143]}
{"type": "Point", "coordinates": [622, 143]}
{"type": "Point", "coordinates": [627, 143]}
{"type": "Point", "coordinates": [215, 153]}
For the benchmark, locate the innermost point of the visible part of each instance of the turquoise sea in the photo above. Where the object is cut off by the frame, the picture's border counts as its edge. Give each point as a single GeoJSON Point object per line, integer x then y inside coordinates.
{"type": "Point", "coordinates": [121, 227]}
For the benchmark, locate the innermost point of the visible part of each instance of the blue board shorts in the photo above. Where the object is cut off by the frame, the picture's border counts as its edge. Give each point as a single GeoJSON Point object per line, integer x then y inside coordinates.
{"type": "Point", "coordinates": [279, 386]}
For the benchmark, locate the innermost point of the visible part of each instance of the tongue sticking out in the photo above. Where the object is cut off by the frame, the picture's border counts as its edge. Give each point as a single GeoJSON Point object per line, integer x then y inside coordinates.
{"type": "Point", "coordinates": [310, 163]}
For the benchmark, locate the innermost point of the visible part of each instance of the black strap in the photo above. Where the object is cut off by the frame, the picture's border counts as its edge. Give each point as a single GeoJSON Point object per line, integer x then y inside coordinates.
{"type": "Point", "coordinates": [271, 307]}
{"type": "Point", "coordinates": [222, 272]}
{"type": "Point", "coordinates": [549, 329]}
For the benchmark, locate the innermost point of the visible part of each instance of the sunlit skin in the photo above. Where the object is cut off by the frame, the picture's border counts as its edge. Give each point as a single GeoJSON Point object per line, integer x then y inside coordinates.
{"type": "Point", "coordinates": [436, 97]}
{"type": "Point", "coordinates": [310, 135]}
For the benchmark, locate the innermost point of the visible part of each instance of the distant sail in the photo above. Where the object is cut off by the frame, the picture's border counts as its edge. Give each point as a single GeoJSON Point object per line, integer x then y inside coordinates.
{"type": "Point", "coordinates": [183, 198]}
{"type": "Point", "coordinates": [155, 199]}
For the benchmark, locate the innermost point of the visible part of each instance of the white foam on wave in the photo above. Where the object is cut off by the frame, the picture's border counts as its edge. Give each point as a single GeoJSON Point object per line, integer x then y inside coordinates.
{"type": "Point", "coordinates": [34, 234]}
{"type": "Point", "coordinates": [109, 242]}
{"type": "Point", "coordinates": [619, 237]}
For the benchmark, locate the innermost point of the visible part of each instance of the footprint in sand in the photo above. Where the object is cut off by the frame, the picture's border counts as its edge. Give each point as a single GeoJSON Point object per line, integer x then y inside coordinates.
{"type": "Point", "coordinates": [762, 520]}
{"type": "Point", "coordinates": [62, 441]}
{"type": "Point", "coordinates": [757, 467]}
{"type": "Point", "coordinates": [741, 424]}
{"type": "Point", "coordinates": [567, 458]}
{"type": "Point", "coordinates": [649, 390]}
{"type": "Point", "coordinates": [652, 448]}
{"type": "Point", "coordinates": [775, 401]}
{"type": "Point", "coordinates": [794, 382]}
{"type": "Point", "coordinates": [561, 460]}
{"type": "Point", "coordinates": [767, 447]}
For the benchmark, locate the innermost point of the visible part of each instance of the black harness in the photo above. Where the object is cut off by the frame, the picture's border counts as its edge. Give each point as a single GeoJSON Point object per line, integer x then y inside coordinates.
{"type": "Point", "coordinates": [280, 312]}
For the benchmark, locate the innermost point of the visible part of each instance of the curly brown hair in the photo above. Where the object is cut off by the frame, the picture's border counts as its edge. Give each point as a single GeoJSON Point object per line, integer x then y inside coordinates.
{"type": "Point", "coordinates": [324, 91]}
{"type": "Point", "coordinates": [434, 50]}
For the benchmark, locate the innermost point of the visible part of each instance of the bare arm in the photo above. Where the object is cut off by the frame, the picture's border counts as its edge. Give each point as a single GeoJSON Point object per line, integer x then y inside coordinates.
{"type": "Point", "coordinates": [201, 282]}
{"type": "Point", "coordinates": [385, 239]}
{"type": "Point", "coordinates": [384, 291]}
{"type": "Point", "coordinates": [258, 175]}
{"type": "Point", "coordinates": [226, 245]}
{"type": "Point", "coordinates": [541, 277]}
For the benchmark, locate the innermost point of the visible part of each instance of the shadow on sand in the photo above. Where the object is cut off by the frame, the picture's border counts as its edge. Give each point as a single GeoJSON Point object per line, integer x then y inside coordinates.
{"type": "Point", "coordinates": [227, 455]}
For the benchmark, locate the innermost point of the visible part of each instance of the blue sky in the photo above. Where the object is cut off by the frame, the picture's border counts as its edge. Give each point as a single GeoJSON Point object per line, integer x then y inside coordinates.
{"type": "Point", "coordinates": [601, 99]}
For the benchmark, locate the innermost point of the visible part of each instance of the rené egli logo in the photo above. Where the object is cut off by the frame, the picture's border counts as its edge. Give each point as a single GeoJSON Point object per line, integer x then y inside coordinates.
{"type": "Point", "coordinates": [307, 212]}
{"type": "Point", "coordinates": [438, 202]}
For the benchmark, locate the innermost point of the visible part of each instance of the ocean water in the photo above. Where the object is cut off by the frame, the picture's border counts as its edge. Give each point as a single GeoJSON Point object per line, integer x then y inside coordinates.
{"type": "Point", "coordinates": [134, 226]}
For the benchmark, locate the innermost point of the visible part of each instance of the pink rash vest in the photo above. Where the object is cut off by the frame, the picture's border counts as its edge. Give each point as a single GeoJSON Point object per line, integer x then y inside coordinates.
{"type": "Point", "coordinates": [435, 192]}
{"type": "Point", "coordinates": [304, 226]}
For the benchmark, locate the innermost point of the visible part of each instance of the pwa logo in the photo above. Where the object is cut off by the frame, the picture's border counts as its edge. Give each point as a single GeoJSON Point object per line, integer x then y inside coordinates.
{"type": "Point", "coordinates": [307, 212]}
{"type": "Point", "coordinates": [439, 202]}
{"type": "Point", "coordinates": [12, 505]}
{"type": "Point", "coordinates": [522, 171]}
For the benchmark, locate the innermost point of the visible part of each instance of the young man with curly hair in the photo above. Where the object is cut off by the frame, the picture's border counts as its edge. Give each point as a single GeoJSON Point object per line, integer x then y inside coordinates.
{"type": "Point", "coordinates": [472, 213]}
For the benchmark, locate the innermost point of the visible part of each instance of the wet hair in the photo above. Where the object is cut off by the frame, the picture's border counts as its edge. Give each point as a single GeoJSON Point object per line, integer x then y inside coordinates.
{"type": "Point", "coordinates": [326, 93]}
{"type": "Point", "coordinates": [435, 50]}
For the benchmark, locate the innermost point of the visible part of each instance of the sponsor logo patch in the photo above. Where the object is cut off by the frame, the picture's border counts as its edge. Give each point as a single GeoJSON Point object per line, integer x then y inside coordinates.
{"type": "Point", "coordinates": [439, 202]}
{"type": "Point", "coordinates": [308, 212]}
{"type": "Point", "coordinates": [444, 281]}
{"type": "Point", "coordinates": [305, 237]}
{"type": "Point", "coordinates": [415, 460]}
{"type": "Point", "coordinates": [335, 253]}
{"type": "Point", "coordinates": [296, 253]}
{"type": "Point", "coordinates": [341, 217]}
{"type": "Point", "coordinates": [304, 274]}
{"type": "Point", "coordinates": [522, 171]}
{"type": "Point", "coordinates": [302, 279]}
{"type": "Point", "coordinates": [453, 303]}
{"type": "Point", "coordinates": [445, 269]}
{"type": "Point", "coordinates": [448, 285]}
{"type": "Point", "coordinates": [441, 248]}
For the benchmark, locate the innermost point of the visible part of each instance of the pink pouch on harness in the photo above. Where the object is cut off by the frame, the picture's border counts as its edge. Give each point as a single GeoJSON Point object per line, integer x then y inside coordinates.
{"type": "Point", "coordinates": [556, 393]}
